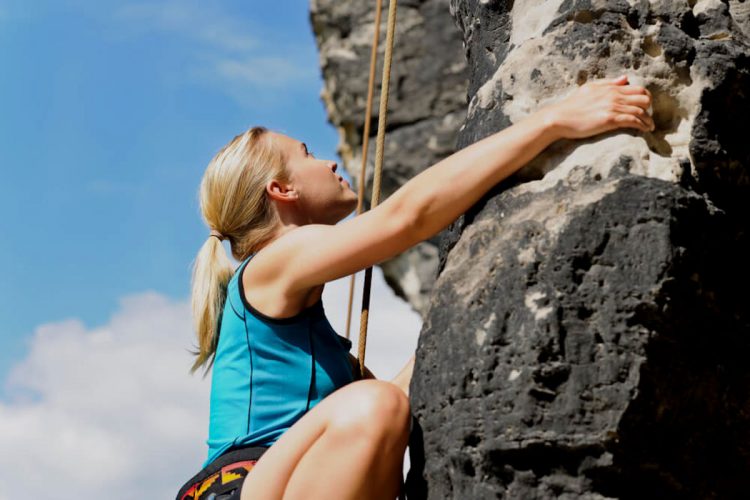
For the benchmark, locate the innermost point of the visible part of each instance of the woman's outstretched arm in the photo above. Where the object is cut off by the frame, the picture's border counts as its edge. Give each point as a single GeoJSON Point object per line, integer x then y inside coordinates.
{"type": "Point", "coordinates": [315, 254]}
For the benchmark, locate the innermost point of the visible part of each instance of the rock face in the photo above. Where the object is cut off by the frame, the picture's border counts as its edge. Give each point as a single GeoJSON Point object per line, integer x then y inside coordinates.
{"type": "Point", "coordinates": [588, 333]}
{"type": "Point", "coordinates": [427, 104]}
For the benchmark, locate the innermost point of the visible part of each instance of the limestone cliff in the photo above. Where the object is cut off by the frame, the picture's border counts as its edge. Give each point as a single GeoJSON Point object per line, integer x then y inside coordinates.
{"type": "Point", "coordinates": [588, 332]}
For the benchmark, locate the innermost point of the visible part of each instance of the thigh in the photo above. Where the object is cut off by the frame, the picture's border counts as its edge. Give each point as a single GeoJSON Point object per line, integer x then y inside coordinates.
{"type": "Point", "coordinates": [269, 477]}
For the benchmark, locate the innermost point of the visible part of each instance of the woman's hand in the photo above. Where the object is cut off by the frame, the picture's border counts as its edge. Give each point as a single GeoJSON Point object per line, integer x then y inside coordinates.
{"type": "Point", "coordinates": [600, 106]}
{"type": "Point", "coordinates": [403, 379]}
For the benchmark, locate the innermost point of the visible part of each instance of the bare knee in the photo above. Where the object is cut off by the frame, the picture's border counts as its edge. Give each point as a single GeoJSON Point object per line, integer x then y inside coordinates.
{"type": "Point", "coordinates": [375, 410]}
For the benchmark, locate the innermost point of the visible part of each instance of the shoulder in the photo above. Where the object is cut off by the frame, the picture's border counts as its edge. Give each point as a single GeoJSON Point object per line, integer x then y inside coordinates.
{"type": "Point", "coordinates": [270, 264]}
{"type": "Point", "coordinates": [265, 279]}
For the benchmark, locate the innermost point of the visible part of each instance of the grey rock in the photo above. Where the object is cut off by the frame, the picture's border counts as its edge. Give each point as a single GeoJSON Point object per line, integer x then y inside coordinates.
{"type": "Point", "coordinates": [587, 341]}
{"type": "Point", "coordinates": [588, 333]}
{"type": "Point", "coordinates": [426, 105]}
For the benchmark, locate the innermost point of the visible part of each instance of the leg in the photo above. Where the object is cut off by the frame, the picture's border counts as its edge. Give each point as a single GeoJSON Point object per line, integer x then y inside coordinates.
{"type": "Point", "coordinates": [350, 446]}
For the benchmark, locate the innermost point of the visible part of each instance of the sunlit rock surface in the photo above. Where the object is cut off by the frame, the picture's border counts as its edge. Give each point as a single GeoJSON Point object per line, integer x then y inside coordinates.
{"type": "Point", "coordinates": [589, 331]}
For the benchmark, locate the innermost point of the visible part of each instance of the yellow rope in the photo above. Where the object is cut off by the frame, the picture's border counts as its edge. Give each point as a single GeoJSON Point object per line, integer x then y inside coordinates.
{"type": "Point", "coordinates": [365, 145]}
{"type": "Point", "coordinates": [379, 146]}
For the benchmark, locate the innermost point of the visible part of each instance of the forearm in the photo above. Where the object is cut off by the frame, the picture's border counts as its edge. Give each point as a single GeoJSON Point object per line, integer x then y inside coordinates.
{"type": "Point", "coordinates": [437, 196]}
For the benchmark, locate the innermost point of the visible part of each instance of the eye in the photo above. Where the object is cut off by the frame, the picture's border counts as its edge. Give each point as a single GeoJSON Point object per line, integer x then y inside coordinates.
{"type": "Point", "coordinates": [311, 153]}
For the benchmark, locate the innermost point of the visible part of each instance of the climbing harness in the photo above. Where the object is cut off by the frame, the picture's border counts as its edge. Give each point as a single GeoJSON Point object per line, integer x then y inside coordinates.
{"type": "Point", "coordinates": [223, 478]}
{"type": "Point", "coordinates": [379, 146]}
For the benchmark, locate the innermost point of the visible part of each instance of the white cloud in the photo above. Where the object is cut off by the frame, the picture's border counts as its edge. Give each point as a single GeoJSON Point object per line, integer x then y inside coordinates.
{"type": "Point", "coordinates": [111, 412]}
{"type": "Point", "coordinates": [197, 20]}
{"type": "Point", "coordinates": [262, 70]}
{"type": "Point", "coordinates": [255, 70]}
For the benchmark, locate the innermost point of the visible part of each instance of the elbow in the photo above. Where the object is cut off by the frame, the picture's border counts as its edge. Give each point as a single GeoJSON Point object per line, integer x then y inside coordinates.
{"type": "Point", "coordinates": [411, 226]}
{"type": "Point", "coordinates": [410, 220]}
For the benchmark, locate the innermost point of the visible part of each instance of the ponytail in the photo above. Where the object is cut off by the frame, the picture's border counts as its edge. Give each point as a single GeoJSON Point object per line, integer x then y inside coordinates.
{"type": "Point", "coordinates": [233, 201]}
{"type": "Point", "coordinates": [212, 271]}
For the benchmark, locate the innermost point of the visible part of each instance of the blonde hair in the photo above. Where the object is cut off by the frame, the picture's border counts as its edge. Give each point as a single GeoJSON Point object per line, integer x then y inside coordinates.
{"type": "Point", "coordinates": [233, 201]}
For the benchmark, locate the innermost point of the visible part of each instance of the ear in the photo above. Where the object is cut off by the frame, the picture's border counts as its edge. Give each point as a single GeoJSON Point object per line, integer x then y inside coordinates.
{"type": "Point", "coordinates": [282, 192]}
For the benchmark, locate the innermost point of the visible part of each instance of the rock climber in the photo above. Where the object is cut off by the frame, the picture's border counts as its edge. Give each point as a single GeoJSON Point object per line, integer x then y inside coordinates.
{"type": "Point", "coordinates": [288, 416]}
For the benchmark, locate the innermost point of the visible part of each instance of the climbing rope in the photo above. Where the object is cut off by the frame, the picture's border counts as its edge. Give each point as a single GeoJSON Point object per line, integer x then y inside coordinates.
{"type": "Point", "coordinates": [365, 145]}
{"type": "Point", "coordinates": [379, 146]}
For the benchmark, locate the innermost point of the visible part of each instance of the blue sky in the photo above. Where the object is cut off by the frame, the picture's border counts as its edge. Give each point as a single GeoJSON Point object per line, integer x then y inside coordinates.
{"type": "Point", "coordinates": [110, 113]}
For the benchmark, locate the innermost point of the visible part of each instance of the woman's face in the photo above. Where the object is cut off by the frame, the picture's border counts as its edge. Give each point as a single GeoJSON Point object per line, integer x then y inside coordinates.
{"type": "Point", "coordinates": [324, 196]}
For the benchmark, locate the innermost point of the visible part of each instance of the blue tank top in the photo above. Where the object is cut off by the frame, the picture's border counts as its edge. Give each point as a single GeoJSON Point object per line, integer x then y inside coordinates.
{"type": "Point", "coordinates": [269, 372]}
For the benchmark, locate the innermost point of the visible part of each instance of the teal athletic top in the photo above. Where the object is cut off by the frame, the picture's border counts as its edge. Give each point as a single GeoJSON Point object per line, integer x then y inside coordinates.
{"type": "Point", "coordinates": [269, 372]}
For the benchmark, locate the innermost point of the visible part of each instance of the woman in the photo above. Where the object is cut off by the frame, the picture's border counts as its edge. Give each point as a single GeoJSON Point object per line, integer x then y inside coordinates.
{"type": "Point", "coordinates": [283, 381]}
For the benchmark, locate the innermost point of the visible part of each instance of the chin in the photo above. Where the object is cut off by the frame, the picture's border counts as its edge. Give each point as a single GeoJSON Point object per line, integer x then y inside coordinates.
{"type": "Point", "coordinates": [343, 208]}
{"type": "Point", "coordinates": [345, 213]}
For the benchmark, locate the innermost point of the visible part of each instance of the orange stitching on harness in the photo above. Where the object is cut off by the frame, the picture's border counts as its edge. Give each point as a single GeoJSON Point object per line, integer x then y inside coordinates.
{"type": "Point", "coordinates": [228, 473]}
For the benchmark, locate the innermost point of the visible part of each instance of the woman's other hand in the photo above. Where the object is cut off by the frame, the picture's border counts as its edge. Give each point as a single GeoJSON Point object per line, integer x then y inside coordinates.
{"type": "Point", "coordinates": [600, 106]}
{"type": "Point", "coordinates": [403, 379]}
{"type": "Point", "coordinates": [355, 369]}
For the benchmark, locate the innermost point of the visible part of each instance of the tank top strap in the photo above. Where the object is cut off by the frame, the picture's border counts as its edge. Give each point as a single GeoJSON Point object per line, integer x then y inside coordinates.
{"type": "Point", "coordinates": [233, 289]}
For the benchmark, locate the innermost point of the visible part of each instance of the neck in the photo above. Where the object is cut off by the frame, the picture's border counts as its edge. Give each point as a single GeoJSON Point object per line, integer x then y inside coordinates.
{"type": "Point", "coordinates": [280, 231]}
